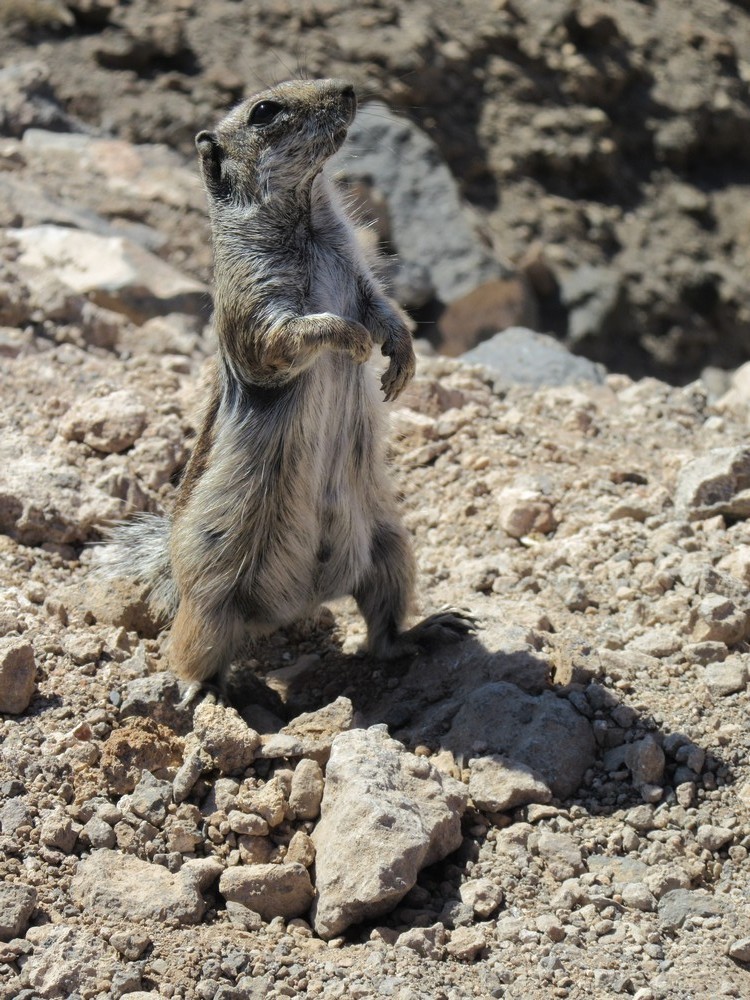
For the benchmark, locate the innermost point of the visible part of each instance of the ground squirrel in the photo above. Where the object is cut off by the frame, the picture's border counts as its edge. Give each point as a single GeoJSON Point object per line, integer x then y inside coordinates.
{"type": "Point", "coordinates": [285, 502]}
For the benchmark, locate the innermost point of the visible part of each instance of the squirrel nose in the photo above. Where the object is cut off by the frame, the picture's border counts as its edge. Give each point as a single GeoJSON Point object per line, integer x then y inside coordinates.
{"type": "Point", "coordinates": [346, 90]}
{"type": "Point", "coordinates": [350, 98]}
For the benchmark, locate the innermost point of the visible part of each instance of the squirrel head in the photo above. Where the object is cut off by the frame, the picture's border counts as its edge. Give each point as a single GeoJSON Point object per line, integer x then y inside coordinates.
{"type": "Point", "coordinates": [277, 142]}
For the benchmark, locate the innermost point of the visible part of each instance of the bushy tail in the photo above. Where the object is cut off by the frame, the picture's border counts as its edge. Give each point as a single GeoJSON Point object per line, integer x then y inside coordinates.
{"type": "Point", "coordinates": [139, 551]}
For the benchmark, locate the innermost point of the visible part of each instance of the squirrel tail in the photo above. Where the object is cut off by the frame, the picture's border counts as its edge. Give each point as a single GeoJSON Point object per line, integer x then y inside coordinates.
{"type": "Point", "coordinates": [139, 550]}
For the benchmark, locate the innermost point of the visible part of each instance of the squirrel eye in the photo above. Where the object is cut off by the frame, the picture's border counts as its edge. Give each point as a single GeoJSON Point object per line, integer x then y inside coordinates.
{"type": "Point", "coordinates": [264, 112]}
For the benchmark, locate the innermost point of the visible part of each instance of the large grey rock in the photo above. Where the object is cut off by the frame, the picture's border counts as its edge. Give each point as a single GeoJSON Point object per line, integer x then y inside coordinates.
{"type": "Point", "coordinates": [15, 813]}
{"type": "Point", "coordinates": [543, 732]}
{"type": "Point", "coordinates": [519, 356]}
{"type": "Point", "coordinates": [561, 854]}
{"type": "Point", "coordinates": [714, 838]}
{"type": "Point", "coordinates": [17, 903]}
{"type": "Point", "coordinates": [311, 734]}
{"type": "Point", "coordinates": [151, 173]}
{"type": "Point", "coordinates": [151, 798]}
{"type": "Point", "coordinates": [645, 759]}
{"type": "Point", "coordinates": [726, 678]}
{"type": "Point", "coordinates": [439, 253]}
{"type": "Point", "coordinates": [36, 206]}
{"type": "Point", "coordinates": [715, 483]}
{"type": "Point", "coordinates": [270, 890]}
{"type": "Point", "coordinates": [17, 675]}
{"type": "Point", "coordinates": [156, 696]}
{"type": "Point", "coordinates": [740, 949]}
{"type": "Point", "coordinates": [113, 272]}
{"type": "Point", "coordinates": [114, 885]}
{"type": "Point", "coordinates": [385, 815]}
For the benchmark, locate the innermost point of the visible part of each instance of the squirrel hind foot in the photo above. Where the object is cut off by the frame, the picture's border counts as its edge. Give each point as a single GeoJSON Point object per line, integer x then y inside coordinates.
{"type": "Point", "coordinates": [444, 628]}
{"type": "Point", "coordinates": [194, 689]}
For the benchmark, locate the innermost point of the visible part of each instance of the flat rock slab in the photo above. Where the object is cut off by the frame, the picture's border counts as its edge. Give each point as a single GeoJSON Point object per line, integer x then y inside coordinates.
{"type": "Point", "coordinates": [43, 499]}
{"type": "Point", "coordinates": [111, 884]}
{"type": "Point", "coordinates": [312, 733]}
{"type": "Point", "coordinates": [543, 732]}
{"type": "Point", "coordinates": [385, 814]}
{"type": "Point", "coordinates": [497, 783]}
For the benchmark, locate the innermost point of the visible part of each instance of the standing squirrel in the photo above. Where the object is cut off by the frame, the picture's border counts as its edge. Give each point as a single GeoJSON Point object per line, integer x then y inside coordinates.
{"type": "Point", "coordinates": [285, 502]}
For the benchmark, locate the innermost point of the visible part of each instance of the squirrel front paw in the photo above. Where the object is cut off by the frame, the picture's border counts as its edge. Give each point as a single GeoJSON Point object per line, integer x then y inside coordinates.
{"type": "Point", "coordinates": [402, 367]}
{"type": "Point", "coordinates": [358, 343]}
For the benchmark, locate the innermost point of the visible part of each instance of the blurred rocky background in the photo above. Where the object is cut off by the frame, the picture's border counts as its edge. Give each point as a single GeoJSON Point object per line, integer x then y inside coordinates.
{"type": "Point", "coordinates": [572, 166]}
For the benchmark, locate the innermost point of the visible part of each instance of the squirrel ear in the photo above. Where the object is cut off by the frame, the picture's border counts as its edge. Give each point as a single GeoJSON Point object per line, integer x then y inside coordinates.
{"type": "Point", "coordinates": [211, 154]}
{"type": "Point", "coordinates": [205, 142]}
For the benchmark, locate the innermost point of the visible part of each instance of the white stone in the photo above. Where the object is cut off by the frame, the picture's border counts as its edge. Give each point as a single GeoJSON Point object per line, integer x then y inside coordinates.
{"type": "Point", "coordinates": [307, 790]}
{"type": "Point", "coordinates": [713, 838]}
{"type": "Point", "coordinates": [717, 482]}
{"type": "Point", "coordinates": [483, 895]}
{"type": "Point", "coordinates": [225, 737]}
{"type": "Point", "coordinates": [466, 943]}
{"type": "Point", "coordinates": [728, 677]}
{"type": "Point", "coordinates": [248, 824]}
{"type": "Point", "coordinates": [385, 815]}
{"type": "Point", "coordinates": [17, 902]}
{"type": "Point", "coordinates": [637, 896]}
{"type": "Point", "coordinates": [111, 271]}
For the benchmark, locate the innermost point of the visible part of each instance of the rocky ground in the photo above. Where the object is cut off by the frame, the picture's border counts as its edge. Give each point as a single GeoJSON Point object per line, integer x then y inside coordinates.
{"type": "Point", "coordinates": [558, 806]}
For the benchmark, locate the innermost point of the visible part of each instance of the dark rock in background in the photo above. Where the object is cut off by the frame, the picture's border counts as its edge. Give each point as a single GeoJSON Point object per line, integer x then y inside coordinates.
{"type": "Point", "coordinates": [439, 254]}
